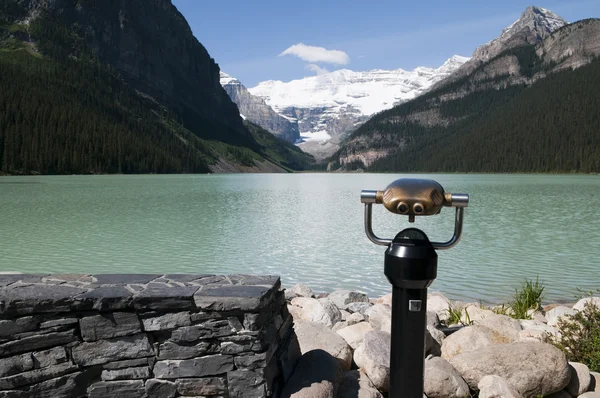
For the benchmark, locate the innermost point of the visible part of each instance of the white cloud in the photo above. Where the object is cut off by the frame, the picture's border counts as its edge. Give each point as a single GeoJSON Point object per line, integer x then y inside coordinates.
{"type": "Point", "coordinates": [317, 54]}
{"type": "Point", "coordinates": [317, 69]}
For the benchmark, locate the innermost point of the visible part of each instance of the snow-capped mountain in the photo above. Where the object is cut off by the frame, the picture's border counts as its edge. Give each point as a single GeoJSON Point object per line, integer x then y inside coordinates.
{"type": "Point", "coordinates": [535, 25]}
{"type": "Point", "coordinates": [330, 105]}
{"type": "Point", "coordinates": [257, 111]}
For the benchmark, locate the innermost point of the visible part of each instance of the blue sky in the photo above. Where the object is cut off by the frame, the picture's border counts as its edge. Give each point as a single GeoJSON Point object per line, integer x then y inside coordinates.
{"type": "Point", "coordinates": [246, 37]}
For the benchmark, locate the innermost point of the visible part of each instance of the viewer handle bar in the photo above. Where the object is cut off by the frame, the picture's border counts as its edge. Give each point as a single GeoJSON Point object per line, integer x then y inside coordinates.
{"type": "Point", "coordinates": [457, 200]}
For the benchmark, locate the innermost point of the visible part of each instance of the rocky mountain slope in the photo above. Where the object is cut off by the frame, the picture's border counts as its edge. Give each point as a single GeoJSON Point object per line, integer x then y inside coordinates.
{"type": "Point", "coordinates": [522, 109]}
{"type": "Point", "coordinates": [147, 93]}
{"type": "Point", "coordinates": [257, 111]}
{"type": "Point", "coordinates": [534, 25]}
{"type": "Point", "coordinates": [329, 106]}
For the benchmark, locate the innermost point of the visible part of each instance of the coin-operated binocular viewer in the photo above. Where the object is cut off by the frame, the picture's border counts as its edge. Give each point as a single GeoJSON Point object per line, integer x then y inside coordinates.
{"type": "Point", "coordinates": [411, 267]}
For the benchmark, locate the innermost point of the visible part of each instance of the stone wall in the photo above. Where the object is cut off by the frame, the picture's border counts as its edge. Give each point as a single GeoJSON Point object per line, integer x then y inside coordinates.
{"type": "Point", "coordinates": [144, 336]}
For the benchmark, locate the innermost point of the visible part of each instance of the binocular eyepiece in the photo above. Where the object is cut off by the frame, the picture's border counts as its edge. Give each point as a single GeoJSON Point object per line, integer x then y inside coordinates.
{"type": "Point", "coordinates": [414, 197]}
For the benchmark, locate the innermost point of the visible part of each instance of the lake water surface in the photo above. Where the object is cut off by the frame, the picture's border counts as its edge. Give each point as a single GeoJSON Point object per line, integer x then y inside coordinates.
{"type": "Point", "coordinates": [305, 227]}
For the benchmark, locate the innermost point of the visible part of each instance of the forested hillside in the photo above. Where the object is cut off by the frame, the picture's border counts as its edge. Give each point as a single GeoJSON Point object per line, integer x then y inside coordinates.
{"type": "Point", "coordinates": [552, 126]}
{"type": "Point", "coordinates": [65, 109]}
{"type": "Point", "coordinates": [524, 110]}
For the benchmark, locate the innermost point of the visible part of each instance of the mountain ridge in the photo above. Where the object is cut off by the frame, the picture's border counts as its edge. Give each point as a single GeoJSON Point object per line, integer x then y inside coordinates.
{"type": "Point", "coordinates": [405, 137]}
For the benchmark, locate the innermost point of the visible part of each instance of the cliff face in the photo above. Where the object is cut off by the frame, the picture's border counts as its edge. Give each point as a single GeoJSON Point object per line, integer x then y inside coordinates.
{"type": "Point", "coordinates": [152, 47]}
{"type": "Point", "coordinates": [257, 111]}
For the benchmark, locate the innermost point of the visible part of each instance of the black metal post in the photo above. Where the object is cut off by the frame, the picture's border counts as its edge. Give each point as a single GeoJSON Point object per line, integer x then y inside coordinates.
{"type": "Point", "coordinates": [411, 267]}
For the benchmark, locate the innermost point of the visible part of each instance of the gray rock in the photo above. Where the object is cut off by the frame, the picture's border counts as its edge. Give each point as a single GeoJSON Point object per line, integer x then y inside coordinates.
{"type": "Point", "coordinates": [72, 320]}
{"type": "Point", "coordinates": [8, 328]}
{"type": "Point", "coordinates": [126, 374]}
{"type": "Point", "coordinates": [345, 314]}
{"type": "Point", "coordinates": [531, 368]}
{"type": "Point", "coordinates": [358, 308]}
{"type": "Point", "coordinates": [373, 357]}
{"type": "Point", "coordinates": [207, 330]}
{"type": "Point", "coordinates": [533, 335]}
{"type": "Point", "coordinates": [251, 361]}
{"type": "Point", "coordinates": [34, 299]}
{"type": "Point", "coordinates": [37, 342]}
{"type": "Point", "coordinates": [317, 375]}
{"type": "Point", "coordinates": [36, 376]}
{"type": "Point", "coordinates": [130, 363]}
{"type": "Point", "coordinates": [301, 290]}
{"type": "Point", "coordinates": [167, 321]}
{"type": "Point", "coordinates": [472, 338]}
{"type": "Point", "coordinates": [156, 388]}
{"type": "Point", "coordinates": [246, 384]}
{"type": "Point", "coordinates": [317, 311]}
{"type": "Point", "coordinates": [341, 298]}
{"type": "Point", "coordinates": [313, 336]}
{"type": "Point", "coordinates": [433, 320]}
{"type": "Point", "coordinates": [356, 384]}
{"type": "Point", "coordinates": [555, 314]}
{"type": "Point", "coordinates": [124, 279]}
{"type": "Point", "coordinates": [60, 387]}
{"type": "Point", "coordinates": [439, 304]}
{"type": "Point", "coordinates": [387, 300]}
{"type": "Point", "coordinates": [339, 325]}
{"type": "Point", "coordinates": [232, 298]}
{"type": "Point", "coordinates": [105, 298]}
{"type": "Point", "coordinates": [355, 334]}
{"type": "Point", "coordinates": [496, 387]}
{"type": "Point", "coordinates": [590, 394]}
{"type": "Point", "coordinates": [355, 318]}
{"type": "Point", "coordinates": [211, 365]}
{"type": "Point", "coordinates": [104, 351]}
{"type": "Point", "coordinates": [50, 357]}
{"type": "Point", "coordinates": [117, 389]}
{"type": "Point", "coordinates": [580, 305]}
{"type": "Point", "coordinates": [503, 324]}
{"type": "Point", "coordinates": [442, 380]}
{"type": "Point", "coordinates": [379, 316]}
{"type": "Point", "coordinates": [580, 379]}
{"type": "Point", "coordinates": [170, 350]}
{"type": "Point", "coordinates": [202, 387]}
{"type": "Point", "coordinates": [15, 364]}
{"type": "Point", "coordinates": [165, 298]}
{"type": "Point", "coordinates": [109, 325]}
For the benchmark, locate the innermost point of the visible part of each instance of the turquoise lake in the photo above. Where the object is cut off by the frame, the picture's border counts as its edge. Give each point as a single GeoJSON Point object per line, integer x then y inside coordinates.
{"type": "Point", "coordinates": [305, 227]}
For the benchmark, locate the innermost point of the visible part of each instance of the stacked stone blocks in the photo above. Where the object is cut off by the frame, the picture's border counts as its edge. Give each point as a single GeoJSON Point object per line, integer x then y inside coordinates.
{"type": "Point", "coordinates": [144, 336]}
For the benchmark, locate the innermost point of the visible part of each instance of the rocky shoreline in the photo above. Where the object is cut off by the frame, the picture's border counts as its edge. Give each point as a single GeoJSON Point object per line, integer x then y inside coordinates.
{"type": "Point", "coordinates": [344, 337]}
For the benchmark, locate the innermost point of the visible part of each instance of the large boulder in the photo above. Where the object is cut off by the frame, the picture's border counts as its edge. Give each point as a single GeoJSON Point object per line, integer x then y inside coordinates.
{"type": "Point", "coordinates": [387, 300]}
{"type": "Point", "coordinates": [493, 386]}
{"type": "Point", "coordinates": [531, 368]}
{"type": "Point", "coordinates": [503, 324]}
{"type": "Point", "coordinates": [590, 394]}
{"type": "Point", "coordinates": [342, 298]}
{"type": "Point", "coordinates": [472, 338]}
{"type": "Point", "coordinates": [555, 314]}
{"type": "Point", "coordinates": [580, 305]}
{"type": "Point", "coordinates": [320, 311]}
{"type": "Point", "coordinates": [473, 313]}
{"type": "Point", "coordinates": [357, 384]}
{"type": "Point", "coordinates": [439, 304]}
{"type": "Point", "coordinates": [373, 358]}
{"type": "Point", "coordinates": [442, 380]}
{"type": "Point", "coordinates": [312, 336]}
{"type": "Point", "coordinates": [301, 290]}
{"type": "Point", "coordinates": [355, 334]}
{"type": "Point", "coordinates": [379, 316]}
{"type": "Point", "coordinates": [580, 379]}
{"type": "Point", "coordinates": [317, 375]}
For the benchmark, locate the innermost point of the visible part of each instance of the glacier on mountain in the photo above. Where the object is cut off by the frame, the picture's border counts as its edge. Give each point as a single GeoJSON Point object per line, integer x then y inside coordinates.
{"type": "Point", "coordinates": [330, 105]}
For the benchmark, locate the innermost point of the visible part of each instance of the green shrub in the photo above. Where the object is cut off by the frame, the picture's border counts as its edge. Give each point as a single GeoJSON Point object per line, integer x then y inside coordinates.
{"type": "Point", "coordinates": [528, 297]}
{"type": "Point", "coordinates": [455, 316]}
{"type": "Point", "coordinates": [580, 336]}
